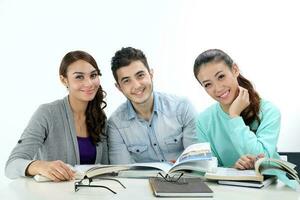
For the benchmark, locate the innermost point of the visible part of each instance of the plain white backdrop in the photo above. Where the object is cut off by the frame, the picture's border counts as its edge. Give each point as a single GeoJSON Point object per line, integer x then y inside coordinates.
{"type": "Point", "coordinates": [261, 36]}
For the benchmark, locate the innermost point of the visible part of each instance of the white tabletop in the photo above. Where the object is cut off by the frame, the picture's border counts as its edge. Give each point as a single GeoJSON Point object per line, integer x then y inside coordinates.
{"type": "Point", "coordinates": [26, 188]}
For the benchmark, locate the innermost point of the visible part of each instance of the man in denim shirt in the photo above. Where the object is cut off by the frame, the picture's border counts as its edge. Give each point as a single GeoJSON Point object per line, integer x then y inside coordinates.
{"type": "Point", "coordinates": [150, 126]}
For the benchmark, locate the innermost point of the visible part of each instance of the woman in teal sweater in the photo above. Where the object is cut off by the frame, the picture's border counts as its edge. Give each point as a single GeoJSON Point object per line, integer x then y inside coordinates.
{"type": "Point", "coordinates": [241, 126]}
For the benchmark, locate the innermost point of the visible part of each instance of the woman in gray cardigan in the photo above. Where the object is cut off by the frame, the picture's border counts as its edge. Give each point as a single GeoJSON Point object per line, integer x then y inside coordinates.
{"type": "Point", "coordinates": [67, 131]}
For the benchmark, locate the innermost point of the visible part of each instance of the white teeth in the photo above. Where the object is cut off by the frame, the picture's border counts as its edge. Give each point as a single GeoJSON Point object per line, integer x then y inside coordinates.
{"type": "Point", "coordinates": [138, 92]}
{"type": "Point", "coordinates": [224, 94]}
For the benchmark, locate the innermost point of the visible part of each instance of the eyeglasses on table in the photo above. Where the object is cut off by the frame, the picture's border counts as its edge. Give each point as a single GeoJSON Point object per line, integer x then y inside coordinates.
{"type": "Point", "coordinates": [87, 182]}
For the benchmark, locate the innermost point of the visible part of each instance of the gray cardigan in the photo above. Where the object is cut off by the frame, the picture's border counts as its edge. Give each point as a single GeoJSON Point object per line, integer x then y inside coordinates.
{"type": "Point", "coordinates": [50, 135]}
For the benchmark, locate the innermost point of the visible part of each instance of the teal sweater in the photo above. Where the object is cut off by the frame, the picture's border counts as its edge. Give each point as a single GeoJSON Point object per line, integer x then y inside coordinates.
{"type": "Point", "coordinates": [230, 138]}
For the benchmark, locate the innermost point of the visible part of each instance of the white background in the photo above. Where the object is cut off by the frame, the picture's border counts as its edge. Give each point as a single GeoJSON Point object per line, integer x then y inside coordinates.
{"type": "Point", "coordinates": [263, 37]}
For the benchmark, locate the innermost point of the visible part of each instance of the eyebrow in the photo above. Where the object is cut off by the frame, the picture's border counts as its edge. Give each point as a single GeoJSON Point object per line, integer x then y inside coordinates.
{"type": "Point", "coordinates": [215, 76]}
{"type": "Point", "coordinates": [139, 72]}
{"type": "Point", "coordinates": [84, 73]}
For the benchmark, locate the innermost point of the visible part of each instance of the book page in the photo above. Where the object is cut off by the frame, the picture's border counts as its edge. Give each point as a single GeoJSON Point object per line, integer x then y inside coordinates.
{"type": "Point", "coordinates": [234, 174]}
{"type": "Point", "coordinates": [222, 171]}
{"type": "Point", "coordinates": [163, 166]}
{"type": "Point", "coordinates": [195, 152]}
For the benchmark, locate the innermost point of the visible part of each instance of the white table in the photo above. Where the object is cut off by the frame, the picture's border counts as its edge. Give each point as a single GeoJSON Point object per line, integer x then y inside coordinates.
{"type": "Point", "coordinates": [26, 188]}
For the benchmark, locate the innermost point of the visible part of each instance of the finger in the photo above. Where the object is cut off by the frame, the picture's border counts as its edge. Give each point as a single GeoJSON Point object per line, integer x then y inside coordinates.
{"type": "Point", "coordinates": [66, 171]}
{"type": "Point", "coordinates": [251, 157]}
{"type": "Point", "coordinates": [63, 173]}
{"type": "Point", "coordinates": [261, 155]}
{"type": "Point", "coordinates": [239, 166]}
{"type": "Point", "coordinates": [246, 94]}
{"type": "Point", "coordinates": [252, 160]}
{"type": "Point", "coordinates": [63, 169]}
{"type": "Point", "coordinates": [51, 176]}
{"type": "Point", "coordinates": [59, 175]}
{"type": "Point", "coordinates": [245, 162]}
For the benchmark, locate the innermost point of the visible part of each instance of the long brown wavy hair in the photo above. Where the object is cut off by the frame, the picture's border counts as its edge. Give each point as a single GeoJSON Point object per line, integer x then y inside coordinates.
{"type": "Point", "coordinates": [95, 116]}
{"type": "Point", "coordinates": [250, 113]}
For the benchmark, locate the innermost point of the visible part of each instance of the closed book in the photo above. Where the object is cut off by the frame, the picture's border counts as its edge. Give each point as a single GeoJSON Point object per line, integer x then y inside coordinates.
{"type": "Point", "coordinates": [254, 184]}
{"type": "Point", "coordinates": [263, 168]}
{"type": "Point", "coordinates": [185, 187]}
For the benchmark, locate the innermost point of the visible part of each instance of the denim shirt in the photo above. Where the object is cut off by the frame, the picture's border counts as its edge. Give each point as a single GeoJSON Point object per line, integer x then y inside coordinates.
{"type": "Point", "coordinates": [163, 138]}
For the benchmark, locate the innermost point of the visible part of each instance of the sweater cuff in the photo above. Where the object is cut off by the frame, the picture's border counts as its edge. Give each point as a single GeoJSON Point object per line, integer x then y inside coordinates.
{"type": "Point", "coordinates": [237, 122]}
{"type": "Point", "coordinates": [17, 168]}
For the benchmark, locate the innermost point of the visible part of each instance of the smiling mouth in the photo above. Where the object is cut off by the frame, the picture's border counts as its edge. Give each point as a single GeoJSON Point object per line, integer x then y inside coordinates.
{"type": "Point", "coordinates": [139, 92]}
{"type": "Point", "coordinates": [88, 91]}
{"type": "Point", "coordinates": [224, 95]}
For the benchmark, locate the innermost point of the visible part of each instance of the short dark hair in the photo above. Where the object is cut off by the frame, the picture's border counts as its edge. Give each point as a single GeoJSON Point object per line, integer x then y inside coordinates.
{"type": "Point", "coordinates": [126, 56]}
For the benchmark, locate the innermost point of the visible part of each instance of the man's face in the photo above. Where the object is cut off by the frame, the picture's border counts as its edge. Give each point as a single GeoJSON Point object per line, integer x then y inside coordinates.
{"type": "Point", "coordinates": [135, 82]}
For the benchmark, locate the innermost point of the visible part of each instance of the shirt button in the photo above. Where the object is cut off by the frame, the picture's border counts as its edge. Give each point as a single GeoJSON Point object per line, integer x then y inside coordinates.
{"type": "Point", "coordinates": [137, 150]}
{"type": "Point", "coordinates": [175, 140]}
{"type": "Point", "coordinates": [150, 125]}
{"type": "Point", "coordinates": [154, 144]}
{"type": "Point", "coordinates": [162, 160]}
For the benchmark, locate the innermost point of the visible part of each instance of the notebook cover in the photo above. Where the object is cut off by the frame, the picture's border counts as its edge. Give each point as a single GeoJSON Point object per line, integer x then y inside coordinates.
{"type": "Point", "coordinates": [186, 187]}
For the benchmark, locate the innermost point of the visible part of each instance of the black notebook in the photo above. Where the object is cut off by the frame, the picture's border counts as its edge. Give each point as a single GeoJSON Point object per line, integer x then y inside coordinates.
{"type": "Point", "coordinates": [185, 187]}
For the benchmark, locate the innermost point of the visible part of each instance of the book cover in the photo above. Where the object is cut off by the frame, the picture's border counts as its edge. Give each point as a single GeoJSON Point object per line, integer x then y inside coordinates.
{"type": "Point", "coordinates": [185, 187]}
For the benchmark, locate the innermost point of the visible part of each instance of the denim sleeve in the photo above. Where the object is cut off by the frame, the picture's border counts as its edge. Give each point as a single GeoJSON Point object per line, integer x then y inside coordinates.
{"type": "Point", "coordinates": [188, 114]}
{"type": "Point", "coordinates": [117, 150]}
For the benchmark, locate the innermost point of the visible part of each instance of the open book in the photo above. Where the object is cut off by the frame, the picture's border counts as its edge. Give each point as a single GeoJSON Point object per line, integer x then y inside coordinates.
{"type": "Point", "coordinates": [196, 157]}
{"type": "Point", "coordinates": [264, 167]}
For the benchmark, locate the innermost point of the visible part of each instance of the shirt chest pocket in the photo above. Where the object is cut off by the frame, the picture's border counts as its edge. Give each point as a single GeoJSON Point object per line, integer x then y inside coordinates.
{"type": "Point", "coordinates": [174, 143]}
{"type": "Point", "coordinates": [139, 152]}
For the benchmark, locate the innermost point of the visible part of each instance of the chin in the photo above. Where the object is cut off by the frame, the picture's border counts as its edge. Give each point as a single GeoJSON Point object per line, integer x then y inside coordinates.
{"type": "Point", "coordinates": [89, 98]}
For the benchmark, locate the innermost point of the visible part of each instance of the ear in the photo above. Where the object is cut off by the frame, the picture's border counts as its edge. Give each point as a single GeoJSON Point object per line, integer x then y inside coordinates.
{"type": "Point", "coordinates": [118, 86]}
{"type": "Point", "coordinates": [151, 72]}
{"type": "Point", "coordinates": [63, 80]}
{"type": "Point", "coordinates": [235, 70]}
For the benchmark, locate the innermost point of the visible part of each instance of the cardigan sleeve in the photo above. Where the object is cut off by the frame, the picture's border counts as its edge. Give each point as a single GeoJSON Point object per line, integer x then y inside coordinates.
{"type": "Point", "coordinates": [30, 142]}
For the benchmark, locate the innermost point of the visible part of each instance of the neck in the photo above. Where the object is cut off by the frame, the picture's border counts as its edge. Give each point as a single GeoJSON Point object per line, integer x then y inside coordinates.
{"type": "Point", "coordinates": [78, 107]}
{"type": "Point", "coordinates": [144, 110]}
{"type": "Point", "coordinates": [225, 108]}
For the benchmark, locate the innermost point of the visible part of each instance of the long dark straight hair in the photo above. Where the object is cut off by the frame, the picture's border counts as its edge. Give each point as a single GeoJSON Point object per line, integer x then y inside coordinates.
{"type": "Point", "coordinates": [249, 114]}
{"type": "Point", "coordinates": [95, 115]}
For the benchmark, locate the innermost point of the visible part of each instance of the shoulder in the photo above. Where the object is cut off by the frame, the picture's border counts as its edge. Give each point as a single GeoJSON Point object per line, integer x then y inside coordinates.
{"type": "Point", "coordinates": [47, 112]}
{"type": "Point", "coordinates": [171, 102]}
{"type": "Point", "coordinates": [266, 107]}
{"type": "Point", "coordinates": [51, 107]}
{"type": "Point", "coordinates": [209, 113]}
{"type": "Point", "coordinates": [268, 111]}
{"type": "Point", "coordinates": [119, 114]}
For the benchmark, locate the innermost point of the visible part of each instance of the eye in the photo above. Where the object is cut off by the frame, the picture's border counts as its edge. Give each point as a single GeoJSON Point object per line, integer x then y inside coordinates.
{"type": "Point", "coordinates": [207, 85]}
{"type": "Point", "coordinates": [222, 76]}
{"type": "Point", "coordinates": [79, 77]}
{"type": "Point", "coordinates": [141, 75]}
{"type": "Point", "coordinates": [93, 76]}
{"type": "Point", "coordinates": [125, 81]}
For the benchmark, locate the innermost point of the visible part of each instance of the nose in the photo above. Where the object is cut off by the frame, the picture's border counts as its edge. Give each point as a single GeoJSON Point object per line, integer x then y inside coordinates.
{"type": "Point", "coordinates": [218, 87]}
{"type": "Point", "coordinates": [136, 84]}
{"type": "Point", "coordinates": [88, 82]}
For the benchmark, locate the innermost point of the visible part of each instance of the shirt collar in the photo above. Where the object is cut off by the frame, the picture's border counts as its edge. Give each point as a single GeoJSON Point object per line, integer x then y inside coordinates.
{"type": "Point", "coordinates": [131, 114]}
